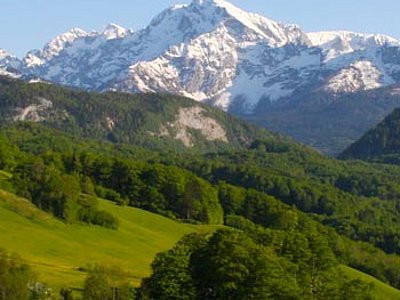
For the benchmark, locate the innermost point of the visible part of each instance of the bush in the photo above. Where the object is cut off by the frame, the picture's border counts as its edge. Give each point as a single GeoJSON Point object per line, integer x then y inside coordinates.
{"type": "Point", "coordinates": [105, 219]}
{"type": "Point", "coordinates": [109, 194]}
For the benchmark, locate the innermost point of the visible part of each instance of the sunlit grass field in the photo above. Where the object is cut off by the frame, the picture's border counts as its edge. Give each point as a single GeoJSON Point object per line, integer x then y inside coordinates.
{"type": "Point", "coordinates": [382, 291]}
{"type": "Point", "coordinates": [59, 252]}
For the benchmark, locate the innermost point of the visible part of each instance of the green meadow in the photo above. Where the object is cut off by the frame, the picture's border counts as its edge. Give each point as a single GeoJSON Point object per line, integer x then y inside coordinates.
{"type": "Point", "coordinates": [60, 253]}
{"type": "Point", "coordinates": [382, 291]}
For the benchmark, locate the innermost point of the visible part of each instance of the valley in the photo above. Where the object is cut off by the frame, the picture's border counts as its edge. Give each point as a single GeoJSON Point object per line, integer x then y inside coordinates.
{"type": "Point", "coordinates": [213, 154]}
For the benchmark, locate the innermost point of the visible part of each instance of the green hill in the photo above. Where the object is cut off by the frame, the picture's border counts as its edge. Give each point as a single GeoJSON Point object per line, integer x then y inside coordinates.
{"type": "Point", "coordinates": [382, 291]}
{"type": "Point", "coordinates": [329, 122]}
{"type": "Point", "coordinates": [254, 174]}
{"type": "Point", "coordinates": [380, 144]}
{"type": "Point", "coordinates": [59, 252]}
{"type": "Point", "coordinates": [158, 121]}
{"type": "Point", "coordinates": [351, 197]}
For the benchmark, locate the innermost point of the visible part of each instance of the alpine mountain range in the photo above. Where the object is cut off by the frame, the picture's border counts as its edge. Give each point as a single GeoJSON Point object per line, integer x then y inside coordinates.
{"type": "Point", "coordinates": [323, 88]}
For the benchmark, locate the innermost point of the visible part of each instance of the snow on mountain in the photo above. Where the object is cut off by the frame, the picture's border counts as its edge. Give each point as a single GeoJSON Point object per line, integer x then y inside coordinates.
{"type": "Point", "coordinates": [274, 33]}
{"type": "Point", "coordinates": [114, 31]}
{"type": "Point", "coordinates": [8, 60]}
{"type": "Point", "coordinates": [337, 43]}
{"type": "Point", "coordinates": [213, 48]}
{"type": "Point", "coordinates": [214, 52]}
{"type": "Point", "coordinates": [356, 60]}
{"type": "Point", "coordinates": [355, 40]}
{"type": "Point", "coordinates": [362, 75]}
{"type": "Point", "coordinates": [80, 59]}
{"type": "Point", "coordinates": [206, 50]}
{"type": "Point", "coordinates": [7, 72]}
{"type": "Point", "coordinates": [54, 47]}
{"type": "Point", "coordinates": [9, 64]}
{"type": "Point", "coordinates": [3, 54]}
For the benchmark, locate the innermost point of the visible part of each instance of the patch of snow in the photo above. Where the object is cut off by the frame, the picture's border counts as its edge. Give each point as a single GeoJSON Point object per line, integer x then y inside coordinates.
{"type": "Point", "coordinates": [5, 72]}
{"type": "Point", "coordinates": [337, 43]}
{"type": "Point", "coordinates": [362, 75]}
{"type": "Point", "coordinates": [54, 47]}
{"type": "Point", "coordinates": [3, 54]}
{"type": "Point", "coordinates": [353, 40]}
{"type": "Point", "coordinates": [274, 33]}
{"type": "Point", "coordinates": [31, 60]}
{"type": "Point", "coordinates": [114, 31]}
{"type": "Point", "coordinates": [38, 80]}
{"type": "Point", "coordinates": [395, 92]}
{"type": "Point", "coordinates": [223, 100]}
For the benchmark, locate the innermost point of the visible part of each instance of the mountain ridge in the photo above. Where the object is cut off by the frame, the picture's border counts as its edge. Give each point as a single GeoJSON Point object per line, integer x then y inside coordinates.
{"type": "Point", "coordinates": [180, 27]}
{"type": "Point", "coordinates": [216, 53]}
{"type": "Point", "coordinates": [379, 144]}
{"type": "Point", "coordinates": [156, 120]}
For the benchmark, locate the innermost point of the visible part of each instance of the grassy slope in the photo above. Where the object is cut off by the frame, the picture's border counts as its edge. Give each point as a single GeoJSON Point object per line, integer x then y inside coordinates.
{"type": "Point", "coordinates": [57, 250]}
{"type": "Point", "coordinates": [382, 290]}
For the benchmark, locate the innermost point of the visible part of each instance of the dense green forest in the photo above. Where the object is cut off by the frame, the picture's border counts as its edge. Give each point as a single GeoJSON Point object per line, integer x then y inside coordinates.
{"type": "Point", "coordinates": [232, 264]}
{"type": "Point", "coordinates": [185, 187]}
{"type": "Point", "coordinates": [380, 144]}
{"type": "Point", "coordinates": [156, 121]}
{"type": "Point", "coordinates": [292, 216]}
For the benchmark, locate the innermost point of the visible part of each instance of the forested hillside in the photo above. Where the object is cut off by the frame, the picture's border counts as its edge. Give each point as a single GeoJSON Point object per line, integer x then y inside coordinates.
{"type": "Point", "coordinates": [380, 144]}
{"type": "Point", "coordinates": [329, 122]}
{"type": "Point", "coordinates": [157, 121]}
{"type": "Point", "coordinates": [285, 204]}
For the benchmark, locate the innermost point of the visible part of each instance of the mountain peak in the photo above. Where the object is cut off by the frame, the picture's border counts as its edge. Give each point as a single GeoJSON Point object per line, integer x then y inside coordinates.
{"type": "Point", "coordinates": [114, 31]}
{"type": "Point", "coordinates": [3, 53]}
{"type": "Point", "coordinates": [9, 64]}
{"type": "Point", "coordinates": [58, 43]}
{"type": "Point", "coordinates": [220, 3]}
{"type": "Point", "coordinates": [76, 31]}
{"type": "Point", "coordinates": [54, 47]}
{"type": "Point", "coordinates": [354, 40]}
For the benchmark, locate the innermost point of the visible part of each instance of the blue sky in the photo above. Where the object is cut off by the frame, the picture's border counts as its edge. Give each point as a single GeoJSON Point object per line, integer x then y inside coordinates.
{"type": "Point", "coordinates": [29, 24]}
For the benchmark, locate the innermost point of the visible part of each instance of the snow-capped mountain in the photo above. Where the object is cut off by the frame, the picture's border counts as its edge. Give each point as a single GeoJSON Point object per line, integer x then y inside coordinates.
{"type": "Point", "coordinates": [357, 61]}
{"type": "Point", "coordinates": [214, 52]}
{"type": "Point", "coordinates": [342, 42]}
{"type": "Point", "coordinates": [53, 48]}
{"type": "Point", "coordinates": [208, 50]}
{"type": "Point", "coordinates": [9, 64]}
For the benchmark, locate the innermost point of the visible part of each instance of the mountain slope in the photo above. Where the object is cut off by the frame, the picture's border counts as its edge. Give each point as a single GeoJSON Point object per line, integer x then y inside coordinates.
{"type": "Point", "coordinates": [213, 51]}
{"type": "Point", "coordinates": [154, 120]}
{"type": "Point", "coordinates": [61, 262]}
{"type": "Point", "coordinates": [328, 122]}
{"type": "Point", "coordinates": [382, 291]}
{"type": "Point", "coordinates": [381, 143]}
{"type": "Point", "coordinates": [355, 199]}
{"type": "Point", "coordinates": [204, 50]}
{"type": "Point", "coordinates": [9, 64]}
{"type": "Point", "coordinates": [216, 53]}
